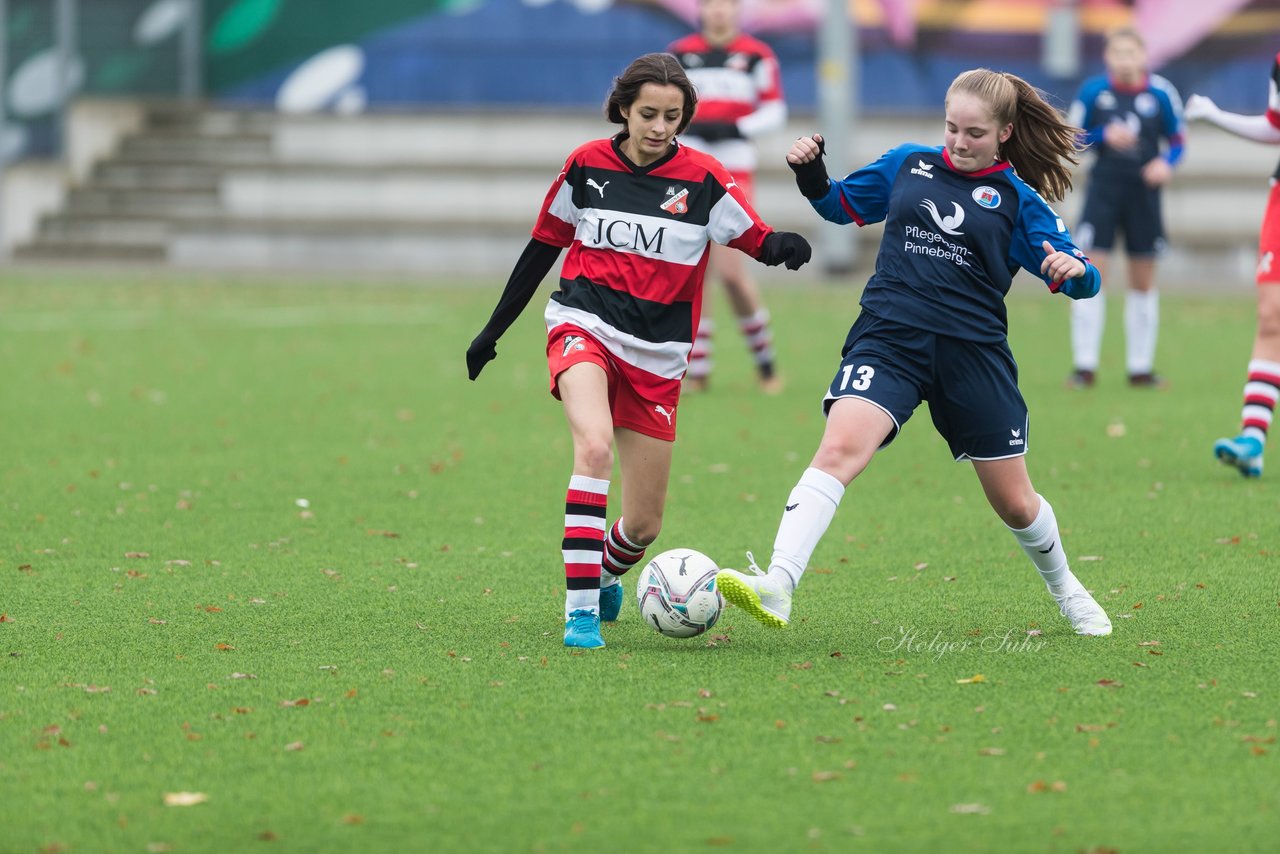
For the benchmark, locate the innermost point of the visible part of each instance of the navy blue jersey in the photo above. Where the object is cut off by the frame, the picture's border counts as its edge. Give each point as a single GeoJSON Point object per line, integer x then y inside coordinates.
{"type": "Point", "coordinates": [1151, 110]}
{"type": "Point", "coordinates": [952, 240]}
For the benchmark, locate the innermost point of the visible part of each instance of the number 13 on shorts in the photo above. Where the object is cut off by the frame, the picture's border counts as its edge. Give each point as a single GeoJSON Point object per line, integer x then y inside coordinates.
{"type": "Point", "coordinates": [863, 380]}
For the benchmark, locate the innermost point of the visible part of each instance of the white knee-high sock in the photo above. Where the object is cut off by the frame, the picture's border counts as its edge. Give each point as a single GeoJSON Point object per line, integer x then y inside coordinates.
{"type": "Point", "coordinates": [809, 510]}
{"type": "Point", "coordinates": [1088, 317]}
{"type": "Point", "coordinates": [1043, 544]}
{"type": "Point", "coordinates": [1141, 325]}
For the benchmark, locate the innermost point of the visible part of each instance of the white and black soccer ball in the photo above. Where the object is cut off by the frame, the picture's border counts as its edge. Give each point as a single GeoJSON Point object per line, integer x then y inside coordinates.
{"type": "Point", "coordinates": [677, 593]}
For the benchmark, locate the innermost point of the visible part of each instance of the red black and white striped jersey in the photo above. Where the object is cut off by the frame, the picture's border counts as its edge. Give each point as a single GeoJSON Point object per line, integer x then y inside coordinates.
{"type": "Point", "coordinates": [738, 84]}
{"type": "Point", "coordinates": [638, 239]}
{"type": "Point", "coordinates": [1273, 104]}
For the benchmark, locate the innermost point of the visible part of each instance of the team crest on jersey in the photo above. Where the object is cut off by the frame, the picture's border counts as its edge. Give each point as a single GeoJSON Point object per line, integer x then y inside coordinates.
{"type": "Point", "coordinates": [988, 197]}
{"type": "Point", "coordinates": [677, 201]}
{"type": "Point", "coordinates": [1145, 104]}
{"type": "Point", "coordinates": [572, 342]}
{"type": "Point", "coordinates": [737, 62]}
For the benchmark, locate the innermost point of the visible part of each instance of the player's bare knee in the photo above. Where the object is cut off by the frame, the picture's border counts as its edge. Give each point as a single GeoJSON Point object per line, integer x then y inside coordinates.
{"type": "Point", "coordinates": [644, 529]}
{"type": "Point", "coordinates": [1017, 511]}
{"type": "Point", "coordinates": [842, 456]}
{"type": "Point", "coordinates": [595, 456]}
{"type": "Point", "coordinates": [1269, 317]}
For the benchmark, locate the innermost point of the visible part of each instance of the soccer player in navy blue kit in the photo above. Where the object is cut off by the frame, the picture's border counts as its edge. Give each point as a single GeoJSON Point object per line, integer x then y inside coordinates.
{"type": "Point", "coordinates": [958, 224]}
{"type": "Point", "coordinates": [1133, 120]}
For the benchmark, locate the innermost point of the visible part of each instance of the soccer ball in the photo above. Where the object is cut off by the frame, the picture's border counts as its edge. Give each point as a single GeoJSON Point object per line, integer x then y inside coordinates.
{"type": "Point", "coordinates": [678, 595]}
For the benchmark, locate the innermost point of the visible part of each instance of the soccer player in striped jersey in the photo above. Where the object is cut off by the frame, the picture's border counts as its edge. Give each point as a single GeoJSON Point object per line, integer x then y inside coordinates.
{"type": "Point", "coordinates": [959, 222]}
{"type": "Point", "coordinates": [1262, 384]}
{"type": "Point", "coordinates": [1133, 120]}
{"type": "Point", "coordinates": [739, 97]}
{"type": "Point", "coordinates": [637, 213]}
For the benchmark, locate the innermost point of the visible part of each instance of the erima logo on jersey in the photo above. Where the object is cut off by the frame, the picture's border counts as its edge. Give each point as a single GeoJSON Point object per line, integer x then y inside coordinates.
{"type": "Point", "coordinates": [924, 170]}
{"type": "Point", "coordinates": [591, 182]}
{"type": "Point", "coordinates": [1016, 440]}
{"type": "Point", "coordinates": [949, 224]}
{"type": "Point", "coordinates": [988, 197]}
{"type": "Point", "coordinates": [676, 202]}
{"type": "Point", "coordinates": [1264, 263]}
{"type": "Point", "coordinates": [1146, 105]}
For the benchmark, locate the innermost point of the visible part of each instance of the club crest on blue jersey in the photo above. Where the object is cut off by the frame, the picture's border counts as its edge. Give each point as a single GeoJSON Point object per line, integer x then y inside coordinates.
{"type": "Point", "coordinates": [988, 197]}
{"type": "Point", "coordinates": [677, 201]}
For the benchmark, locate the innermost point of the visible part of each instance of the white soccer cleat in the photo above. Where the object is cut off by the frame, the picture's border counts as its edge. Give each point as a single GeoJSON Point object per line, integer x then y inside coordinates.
{"type": "Point", "coordinates": [1085, 614]}
{"type": "Point", "coordinates": [759, 595]}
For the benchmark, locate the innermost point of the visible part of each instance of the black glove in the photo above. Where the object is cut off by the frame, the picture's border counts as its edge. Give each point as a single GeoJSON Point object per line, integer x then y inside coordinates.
{"type": "Point", "coordinates": [785, 247]}
{"type": "Point", "coordinates": [480, 353]}
{"type": "Point", "coordinates": [715, 131]}
{"type": "Point", "coordinates": [811, 177]}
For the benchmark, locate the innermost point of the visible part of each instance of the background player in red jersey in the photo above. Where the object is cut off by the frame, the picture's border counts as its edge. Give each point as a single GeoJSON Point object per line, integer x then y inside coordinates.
{"type": "Point", "coordinates": [739, 97]}
{"type": "Point", "coordinates": [1262, 385]}
{"type": "Point", "coordinates": [1133, 120]}
{"type": "Point", "coordinates": [637, 213]}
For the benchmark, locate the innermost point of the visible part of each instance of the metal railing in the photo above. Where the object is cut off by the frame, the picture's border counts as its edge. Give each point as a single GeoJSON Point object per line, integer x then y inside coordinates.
{"type": "Point", "coordinates": [101, 47]}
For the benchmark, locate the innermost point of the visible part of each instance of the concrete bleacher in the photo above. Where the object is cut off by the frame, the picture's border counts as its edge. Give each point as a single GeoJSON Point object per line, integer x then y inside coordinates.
{"type": "Point", "coordinates": [456, 193]}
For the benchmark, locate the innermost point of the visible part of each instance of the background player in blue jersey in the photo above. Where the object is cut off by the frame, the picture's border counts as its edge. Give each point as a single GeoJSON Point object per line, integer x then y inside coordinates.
{"type": "Point", "coordinates": [958, 224]}
{"type": "Point", "coordinates": [1133, 121]}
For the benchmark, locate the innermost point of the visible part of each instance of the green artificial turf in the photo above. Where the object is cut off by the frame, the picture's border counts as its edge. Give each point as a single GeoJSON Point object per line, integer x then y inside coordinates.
{"type": "Point", "coordinates": [265, 544]}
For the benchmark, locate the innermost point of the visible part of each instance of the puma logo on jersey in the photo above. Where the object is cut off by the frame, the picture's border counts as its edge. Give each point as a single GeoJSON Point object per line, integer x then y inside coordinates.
{"type": "Point", "coordinates": [665, 414]}
{"type": "Point", "coordinates": [572, 342]}
{"type": "Point", "coordinates": [924, 170]}
{"type": "Point", "coordinates": [591, 182]}
{"type": "Point", "coordinates": [1264, 263]}
{"type": "Point", "coordinates": [949, 224]}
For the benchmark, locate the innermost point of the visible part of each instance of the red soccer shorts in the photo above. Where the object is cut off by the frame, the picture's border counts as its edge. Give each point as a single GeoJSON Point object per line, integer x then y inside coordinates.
{"type": "Point", "coordinates": [1269, 241]}
{"type": "Point", "coordinates": [569, 347]}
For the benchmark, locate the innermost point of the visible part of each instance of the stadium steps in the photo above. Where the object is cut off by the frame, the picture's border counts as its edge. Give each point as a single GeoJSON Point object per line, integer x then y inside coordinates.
{"type": "Point", "coordinates": [448, 193]}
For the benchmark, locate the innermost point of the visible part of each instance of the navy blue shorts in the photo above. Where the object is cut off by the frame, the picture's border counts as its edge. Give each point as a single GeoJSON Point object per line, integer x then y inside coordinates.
{"type": "Point", "coordinates": [972, 387]}
{"type": "Point", "coordinates": [1131, 207]}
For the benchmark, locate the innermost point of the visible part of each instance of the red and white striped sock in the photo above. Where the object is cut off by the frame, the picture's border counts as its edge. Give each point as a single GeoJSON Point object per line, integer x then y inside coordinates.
{"type": "Point", "coordinates": [620, 554]}
{"type": "Point", "coordinates": [585, 506]}
{"type": "Point", "coordinates": [1260, 394]}
{"type": "Point", "coordinates": [759, 337]}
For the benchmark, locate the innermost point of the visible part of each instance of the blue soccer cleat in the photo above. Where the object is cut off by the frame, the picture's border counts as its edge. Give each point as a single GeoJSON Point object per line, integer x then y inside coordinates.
{"type": "Point", "coordinates": [1243, 452]}
{"type": "Point", "coordinates": [610, 602]}
{"type": "Point", "coordinates": [582, 630]}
